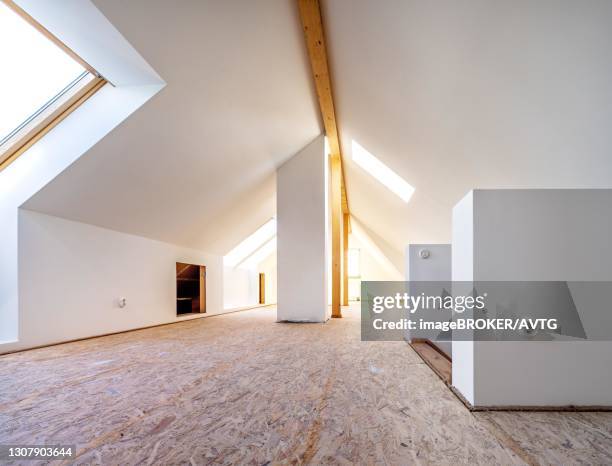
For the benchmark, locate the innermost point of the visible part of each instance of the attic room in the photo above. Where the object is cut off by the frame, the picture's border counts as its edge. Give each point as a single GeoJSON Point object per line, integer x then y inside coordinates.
{"type": "Point", "coordinates": [305, 232]}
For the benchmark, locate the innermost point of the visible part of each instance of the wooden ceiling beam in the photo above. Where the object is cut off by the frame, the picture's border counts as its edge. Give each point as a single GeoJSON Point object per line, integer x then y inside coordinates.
{"type": "Point", "coordinates": [310, 13]}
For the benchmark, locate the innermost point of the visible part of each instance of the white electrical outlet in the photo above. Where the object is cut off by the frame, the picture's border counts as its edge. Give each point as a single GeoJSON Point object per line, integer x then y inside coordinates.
{"type": "Point", "coordinates": [122, 302]}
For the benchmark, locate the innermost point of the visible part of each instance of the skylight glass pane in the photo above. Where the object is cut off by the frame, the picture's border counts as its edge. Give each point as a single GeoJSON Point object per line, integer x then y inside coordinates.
{"type": "Point", "coordinates": [34, 71]}
{"type": "Point", "coordinates": [381, 172]}
{"type": "Point", "coordinates": [251, 244]}
{"type": "Point", "coordinates": [261, 254]}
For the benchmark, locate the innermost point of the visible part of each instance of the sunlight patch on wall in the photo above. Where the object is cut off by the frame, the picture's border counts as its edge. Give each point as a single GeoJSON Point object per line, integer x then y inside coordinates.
{"type": "Point", "coordinates": [381, 172]}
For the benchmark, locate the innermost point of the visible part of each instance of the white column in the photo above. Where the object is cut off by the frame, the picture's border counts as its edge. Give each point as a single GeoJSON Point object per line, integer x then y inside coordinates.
{"type": "Point", "coordinates": [302, 230]}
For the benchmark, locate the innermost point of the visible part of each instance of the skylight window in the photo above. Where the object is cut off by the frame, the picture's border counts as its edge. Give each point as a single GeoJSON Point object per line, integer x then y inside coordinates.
{"type": "Point", "coordinates": [251, 244]}
{"type": "Point", "coordinates": [262, 253]}
{"type": "Point", "coordinates": [40, 79]}
{"type": "Point", "coordinates": [381, 172]}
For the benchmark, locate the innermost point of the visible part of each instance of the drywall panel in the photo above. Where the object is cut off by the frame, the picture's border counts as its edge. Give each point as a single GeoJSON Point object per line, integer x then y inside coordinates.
{"type": "Point", "coordinates": [302, 232]}
{"type": "Point", "coordinates": [74, 136]}
{"type": "Point", "coordinates": [541, 235]}
{"type": "Point", "coordinates": [71, 276]}
{"type": "Point", "coordinates": [462, 266]}
{"type": "Point", "coordinates": [227, 131]}
{"type": "Point", "coordinates": [43, 162]}
{"type": "Point", "coordinates": [432, 266]}
{"type": "Point", "coordinates": [436, 267]}
{"type": "Point", "coordinates": [268, 268]}
{"type": "Point", "coordinates": [379, 262]}
{"type": "Point", "coordinates": [328, 237]}
{"type": "Point", "coordinates": [240, 287]}
{"type": "Point", "coordinates": [373, 265]}
{"type": "Point", "coordinates": [454, 95]}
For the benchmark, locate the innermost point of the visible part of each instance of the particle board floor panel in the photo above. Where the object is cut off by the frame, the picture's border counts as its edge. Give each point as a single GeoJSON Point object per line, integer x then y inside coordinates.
{"type": "Point", "coordinates": [243, 389]}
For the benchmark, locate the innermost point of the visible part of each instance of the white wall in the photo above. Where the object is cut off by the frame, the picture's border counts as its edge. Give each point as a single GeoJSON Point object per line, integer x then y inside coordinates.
{"type": "Point", "coordinates": [302, 199]}
{"type": "Point", "coordinates": [374, 261]}
{"type": "Point", "coordinates": [462, 264]}
{"type": "Point", "coordinates": [240, 287]}
{"type": "Point", "coordinates": [377, 260]}
{"type": "Point", "coordinates": [328, 223]}
{"type": "Point", "coordinates": [435, 268]}
{"type": "Point", "coordinates": [474, 93]}
{"type": "Point", "coordinates": [107, 49]}
{"type": "Point", "coordinates": [374, 265]}
{"type": "Point", "coordinates": [241, 284]}
{"type": "Point", "coordinates": [531, 235]}
{"type": "Point", "coordinates": [268, 267]}
{"type": "Point", "coordinates": [71, 275]}
{"type": "Point", "coordinates": [40, 164]}
{"type": "Point", "coordinates": [226, 172]}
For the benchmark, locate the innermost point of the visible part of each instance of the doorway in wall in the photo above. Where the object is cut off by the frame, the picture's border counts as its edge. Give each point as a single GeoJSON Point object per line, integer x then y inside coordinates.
{"type": "Point", "coordinates": [190, 288]}
{"type": "Point", "coordinates": [262, 288]}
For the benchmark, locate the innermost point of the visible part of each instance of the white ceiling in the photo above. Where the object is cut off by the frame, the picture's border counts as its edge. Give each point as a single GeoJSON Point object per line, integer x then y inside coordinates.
{"type": "Point", "coordinates": [451, 95]}
{"type": "Point", "coordinates": [195, 166]}
{"type": "Point", "coordinates": [455, 95]}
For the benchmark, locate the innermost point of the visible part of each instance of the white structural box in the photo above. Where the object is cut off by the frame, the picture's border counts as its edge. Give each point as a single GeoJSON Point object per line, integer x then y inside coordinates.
{"type": "Point", "coordinates": [535, 235]}
{"type": "Point", "coordinates": [302, 231]}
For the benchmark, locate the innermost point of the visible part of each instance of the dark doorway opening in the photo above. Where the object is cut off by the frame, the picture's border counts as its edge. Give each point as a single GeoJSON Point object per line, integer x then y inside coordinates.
{"type": "Point", "coordinates": [190, 288]}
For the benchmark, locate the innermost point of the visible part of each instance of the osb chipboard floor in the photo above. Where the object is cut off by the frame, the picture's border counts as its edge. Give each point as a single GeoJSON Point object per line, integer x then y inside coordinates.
{"type": "Point", "coordinates": [242, 389]}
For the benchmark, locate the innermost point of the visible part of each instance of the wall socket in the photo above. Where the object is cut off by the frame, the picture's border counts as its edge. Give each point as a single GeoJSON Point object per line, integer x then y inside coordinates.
{"type": "Point", "coordinates": [122, 302]}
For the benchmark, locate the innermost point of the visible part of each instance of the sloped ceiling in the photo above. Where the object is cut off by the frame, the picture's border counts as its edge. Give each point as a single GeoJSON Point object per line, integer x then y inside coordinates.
{"type": "Point", "coordinates": [450, 95]}
{"type": "Point", "coordinates": [195, 166]}
{"type": "Point", "coordinates": [455, 95]}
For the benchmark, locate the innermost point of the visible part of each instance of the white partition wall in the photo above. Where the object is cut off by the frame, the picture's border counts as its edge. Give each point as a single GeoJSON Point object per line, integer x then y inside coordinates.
{"type": "Point", "coordinates": [462, 266]}
{"type": "Point", "coordinates": [429, 263]}
{"type": "Point", "coordinates": [302, 230]}
{"type": "Point", "coordinates": [534, 235]}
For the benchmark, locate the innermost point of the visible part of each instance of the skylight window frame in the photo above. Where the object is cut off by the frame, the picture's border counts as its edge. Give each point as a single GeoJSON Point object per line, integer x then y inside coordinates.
{"type": "Point", "coordinates": [381, 172]}
{"type": "Point", "coordinates": [260, 254]}
{"type": "Point", "coordinates": [57, 108]}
